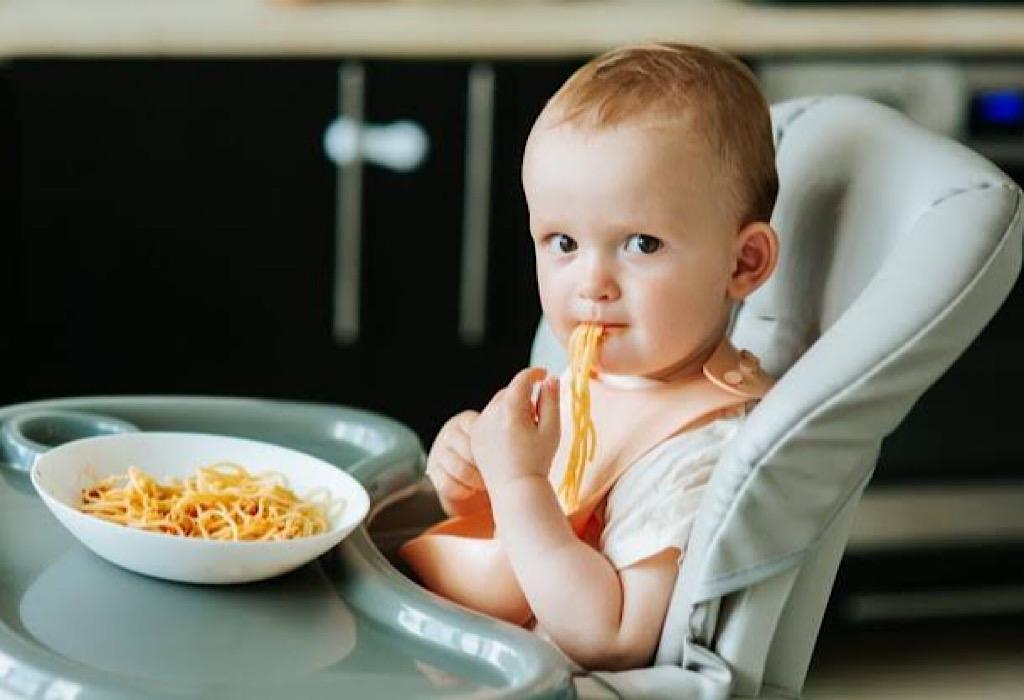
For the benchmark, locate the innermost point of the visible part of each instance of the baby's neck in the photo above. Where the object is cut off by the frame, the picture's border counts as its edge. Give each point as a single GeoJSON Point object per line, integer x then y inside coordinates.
{"type": "Point", "coordinates": [689, 366]}
{"type": "Point", "coordinates": [627, 381]}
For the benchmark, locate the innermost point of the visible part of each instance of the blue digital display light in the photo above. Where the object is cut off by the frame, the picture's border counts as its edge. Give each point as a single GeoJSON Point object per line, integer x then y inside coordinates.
{"type": "Point", "coordinates": [1002, 107]}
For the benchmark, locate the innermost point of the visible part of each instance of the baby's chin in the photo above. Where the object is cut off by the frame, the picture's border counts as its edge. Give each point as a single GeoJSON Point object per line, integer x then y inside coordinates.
{"type": "Point", "coordinates": [617, 363]}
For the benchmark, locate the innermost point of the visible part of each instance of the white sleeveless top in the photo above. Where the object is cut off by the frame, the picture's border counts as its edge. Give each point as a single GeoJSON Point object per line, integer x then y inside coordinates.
{"type": "Point", "coordinates": [653, 505]}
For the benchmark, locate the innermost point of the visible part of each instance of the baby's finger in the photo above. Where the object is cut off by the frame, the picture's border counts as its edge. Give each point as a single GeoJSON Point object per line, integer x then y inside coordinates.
{"type": "Point", "coordinates": [451, 490]}
{"type": "Point", "coordinates": [520, 389]}
{"type": "Point", "coordinates": [438, 471]}
{"type": "Point", "coordinates": [461, 469]}
{"type": "Point", "coordinates": [547, 405]}
{"type": "Point", "coordinates": [467, 506]}
{"type": "Point", "coordinates": [464, 421]}
{"type": "Point", "coordinates": [495, 401]}
{"type": "Point", "coordinates": [458, 441]}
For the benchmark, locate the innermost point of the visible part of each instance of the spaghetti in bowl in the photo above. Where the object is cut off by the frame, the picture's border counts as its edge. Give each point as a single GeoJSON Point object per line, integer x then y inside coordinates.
{"type": "Point", "coordinates": [162, 471]}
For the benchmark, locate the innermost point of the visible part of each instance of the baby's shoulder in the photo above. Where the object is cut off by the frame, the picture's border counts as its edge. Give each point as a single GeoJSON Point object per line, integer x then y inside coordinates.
{"type": "Point", "coordinates": [717, 428]}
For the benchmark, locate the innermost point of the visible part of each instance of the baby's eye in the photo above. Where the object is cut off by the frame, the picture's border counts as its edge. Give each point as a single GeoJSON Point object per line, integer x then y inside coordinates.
{"type": "Point", "coordinates": [642, 243]}
{"type": "Point", "coordinates": [560, 244]}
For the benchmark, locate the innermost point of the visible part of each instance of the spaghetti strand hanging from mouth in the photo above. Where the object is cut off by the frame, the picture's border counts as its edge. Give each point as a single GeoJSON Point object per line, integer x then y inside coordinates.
{"type": "Point", "coordinates": [583, 346]}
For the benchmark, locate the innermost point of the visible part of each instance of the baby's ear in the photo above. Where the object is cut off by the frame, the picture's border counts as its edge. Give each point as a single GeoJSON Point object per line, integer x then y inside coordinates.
{"type": "Point", "coordinates": [756, 252]}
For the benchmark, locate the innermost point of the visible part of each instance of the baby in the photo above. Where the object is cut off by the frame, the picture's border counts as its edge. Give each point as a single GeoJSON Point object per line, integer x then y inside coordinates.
{"type": "Point", "coordinates": [650, 179]}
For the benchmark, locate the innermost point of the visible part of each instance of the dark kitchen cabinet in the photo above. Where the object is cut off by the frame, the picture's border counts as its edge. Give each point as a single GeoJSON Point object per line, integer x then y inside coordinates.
{"type": "Point", "coordinates": [169, 226]}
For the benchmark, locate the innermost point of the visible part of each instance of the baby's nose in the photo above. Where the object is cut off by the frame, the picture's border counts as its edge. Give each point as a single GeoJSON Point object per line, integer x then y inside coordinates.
{"type": "Point", "coordinates": [603, 289]}
{"type": "Point", "coordinates": [604, 295]}
{"type": "Point", "coordinates": [597, 279]}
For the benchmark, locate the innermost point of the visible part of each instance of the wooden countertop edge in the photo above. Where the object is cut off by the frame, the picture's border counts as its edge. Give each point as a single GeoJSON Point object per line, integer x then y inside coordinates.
{"type": "Point", "coordinates": [482, 29]}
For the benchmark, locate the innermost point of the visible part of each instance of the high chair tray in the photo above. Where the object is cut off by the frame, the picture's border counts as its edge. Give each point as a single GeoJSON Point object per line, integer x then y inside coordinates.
{"type": "Point", "coordinates": [346, 625]}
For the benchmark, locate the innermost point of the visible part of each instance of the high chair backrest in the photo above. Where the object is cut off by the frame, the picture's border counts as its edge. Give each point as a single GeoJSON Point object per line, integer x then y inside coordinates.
{"type": "Point", "coordinates": [897, 247]}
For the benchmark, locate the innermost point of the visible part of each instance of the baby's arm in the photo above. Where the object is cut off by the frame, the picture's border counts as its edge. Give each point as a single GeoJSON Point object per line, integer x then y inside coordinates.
{"type": "Point", "coordinates": [602, 618]}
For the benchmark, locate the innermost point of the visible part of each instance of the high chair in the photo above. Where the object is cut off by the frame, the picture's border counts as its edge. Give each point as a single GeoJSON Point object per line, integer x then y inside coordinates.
{"type": "Point", "coordinates": [897, 247]}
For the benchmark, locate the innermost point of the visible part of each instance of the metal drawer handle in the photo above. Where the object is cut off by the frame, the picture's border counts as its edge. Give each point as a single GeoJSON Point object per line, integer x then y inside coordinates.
{"type": "Point", "coordinates": [400, 146]}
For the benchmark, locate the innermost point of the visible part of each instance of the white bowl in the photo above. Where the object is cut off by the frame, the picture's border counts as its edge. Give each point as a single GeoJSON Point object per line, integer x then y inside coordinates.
{"type": "Point", "coordinates": [60, 475]}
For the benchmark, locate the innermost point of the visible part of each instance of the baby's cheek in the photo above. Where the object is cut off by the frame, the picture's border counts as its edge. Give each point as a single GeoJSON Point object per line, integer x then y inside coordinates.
{"type": "Point", "coordinates": [555, 312]}
{"type": "Point", "coordinates": [663, 339]}
{"type": "Point", "coordinates": [552, 312]}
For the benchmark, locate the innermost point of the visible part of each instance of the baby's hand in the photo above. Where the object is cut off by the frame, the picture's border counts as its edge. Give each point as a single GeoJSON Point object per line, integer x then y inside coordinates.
{"type": "Point", "coordinates": [511, 438]}
{"type": "Point", "coordinates": [452, 470]}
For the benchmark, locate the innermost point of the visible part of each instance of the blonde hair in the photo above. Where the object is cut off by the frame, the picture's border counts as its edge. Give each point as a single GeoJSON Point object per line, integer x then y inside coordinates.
{"type": "Point", "coordinates": [679, 83]}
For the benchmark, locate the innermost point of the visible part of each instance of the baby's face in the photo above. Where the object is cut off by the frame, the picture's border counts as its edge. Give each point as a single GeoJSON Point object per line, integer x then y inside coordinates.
{"type": "Point", "coordinates": [632, 229]}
